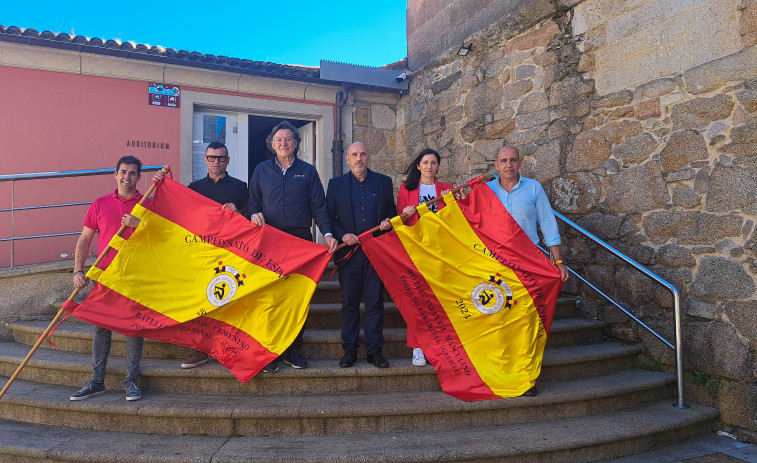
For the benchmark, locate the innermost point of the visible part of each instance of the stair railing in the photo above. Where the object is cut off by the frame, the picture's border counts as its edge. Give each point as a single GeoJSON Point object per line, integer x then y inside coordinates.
{"type": "Point", "coordinates": [13, 178]}
{"type": "Point", "coordinates": [678, 345]}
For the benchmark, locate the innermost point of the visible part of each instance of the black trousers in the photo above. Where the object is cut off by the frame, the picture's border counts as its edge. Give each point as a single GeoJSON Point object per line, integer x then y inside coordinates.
{"type": "Point", "coordinates": [357, 277]}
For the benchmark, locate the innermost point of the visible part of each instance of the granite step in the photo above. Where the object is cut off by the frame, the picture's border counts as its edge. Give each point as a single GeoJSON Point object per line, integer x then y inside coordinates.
{"type": "Point", "coordinates": [323, 375]}
{"type": "Point", "coordinates": [576, 439]}
{"type": "Point", "coordinates": [328, 314]}
{"type": "Point", "coordinates": [329, 291]}
{"type": "Point", "coordinates": [320, 315]}
{"type": "Point", "coordinates": [319, 343]}
{"type": "Point", "coordinates": [77, 337]}
{"type": "Point", "coordinates": [593, 403]}
{"type": "Point", "coordinates": [335, 413]}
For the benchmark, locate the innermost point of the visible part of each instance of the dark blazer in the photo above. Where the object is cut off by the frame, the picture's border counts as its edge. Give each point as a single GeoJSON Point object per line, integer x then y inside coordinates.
{"type": "Point", "coordinates": [339, 204]}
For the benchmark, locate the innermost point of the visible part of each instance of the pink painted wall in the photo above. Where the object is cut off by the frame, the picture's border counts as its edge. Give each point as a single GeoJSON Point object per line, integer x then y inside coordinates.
{"type": "Point", "coordinates": [54, 121]}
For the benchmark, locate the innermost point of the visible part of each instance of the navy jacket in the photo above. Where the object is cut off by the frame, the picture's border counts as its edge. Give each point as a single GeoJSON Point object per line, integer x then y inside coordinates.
{"type": "Point", "coordinates": [288, 202]}
{"type": "Point", "coordinates": [340, 206]}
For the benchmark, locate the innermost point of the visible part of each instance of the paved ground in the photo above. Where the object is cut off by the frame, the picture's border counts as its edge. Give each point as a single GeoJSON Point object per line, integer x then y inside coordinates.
{"type": "Point", "coordinates": [707, 449]}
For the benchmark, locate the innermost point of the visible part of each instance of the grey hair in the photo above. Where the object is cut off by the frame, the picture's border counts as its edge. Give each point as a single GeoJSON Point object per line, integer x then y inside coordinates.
{"type": "Point", "coordinates": [284, 125]}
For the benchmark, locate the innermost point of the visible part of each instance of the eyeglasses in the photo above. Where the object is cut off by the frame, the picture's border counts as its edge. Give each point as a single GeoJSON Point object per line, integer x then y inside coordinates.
{"type": "Point", "coordinates": [287, 139]}
{"type": "Point", "coordinates": [211, 158]}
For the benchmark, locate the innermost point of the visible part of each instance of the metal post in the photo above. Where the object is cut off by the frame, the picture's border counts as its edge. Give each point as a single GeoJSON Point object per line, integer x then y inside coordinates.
{"type": "Point", "coordinates": [678, 347]}
{"type": "Point", "coordinates": [337, 150]}
{"type": "Point", "coordinates": [13, 223]}
{"type": "Point", "coordinates": [680, 401]}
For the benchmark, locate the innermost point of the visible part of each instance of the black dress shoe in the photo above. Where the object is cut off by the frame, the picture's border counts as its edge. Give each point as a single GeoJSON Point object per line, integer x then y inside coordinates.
{"type": "Point", "coordinates": [378, 360]}
{"type": "Point", "coordinates": [348, 359]}
{"type": "Point", "coordinates": [531, 392]}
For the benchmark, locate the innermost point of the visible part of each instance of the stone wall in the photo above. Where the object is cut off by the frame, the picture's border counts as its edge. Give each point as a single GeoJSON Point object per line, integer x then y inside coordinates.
{"type": "Point", "coordinates": [436, 26]}
{"type": "Point", "coordinates": [30, 291]}
{"type": "Point", "coordinates": [639, 117]}
{"type": "Point", "coordinates": [374, 122]}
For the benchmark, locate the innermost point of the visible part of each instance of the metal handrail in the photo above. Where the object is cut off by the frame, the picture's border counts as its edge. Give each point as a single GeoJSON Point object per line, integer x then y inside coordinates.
{"type": "Point", "coordinates": [44, 207]}
{"type": "Point", "coordinates": [678, 345]}
{"type": "Point", "coordinates": [44, 175]}
{"type": "Point", "coordinates": [66, 173]}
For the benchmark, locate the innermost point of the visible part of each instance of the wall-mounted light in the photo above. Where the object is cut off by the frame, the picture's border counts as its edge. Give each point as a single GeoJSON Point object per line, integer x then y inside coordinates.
{"type": "Point", "coordinates": [465, 49]}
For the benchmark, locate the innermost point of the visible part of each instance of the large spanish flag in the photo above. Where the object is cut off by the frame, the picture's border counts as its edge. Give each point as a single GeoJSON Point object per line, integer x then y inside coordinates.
{"type": "Point", "coordinates": [199, 276]}
{"type": "Point", "coordinates": [477, 294]}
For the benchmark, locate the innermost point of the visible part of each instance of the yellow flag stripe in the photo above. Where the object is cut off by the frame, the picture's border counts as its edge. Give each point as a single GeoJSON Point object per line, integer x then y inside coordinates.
{"type": "Point", "coordinates": [500, 345]}
{"type": "Point", "coordinates": [168, 253]}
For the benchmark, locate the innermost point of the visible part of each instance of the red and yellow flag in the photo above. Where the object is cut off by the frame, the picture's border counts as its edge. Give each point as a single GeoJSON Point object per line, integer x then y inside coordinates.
{"type": "Point", "coordinates": [199, 276]}
{"type": "Point", "coordinates": [477, 294]}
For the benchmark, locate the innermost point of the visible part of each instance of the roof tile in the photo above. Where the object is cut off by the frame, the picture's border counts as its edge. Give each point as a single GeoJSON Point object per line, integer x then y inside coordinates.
{"type": "Point", "coordinates": [144, 51]}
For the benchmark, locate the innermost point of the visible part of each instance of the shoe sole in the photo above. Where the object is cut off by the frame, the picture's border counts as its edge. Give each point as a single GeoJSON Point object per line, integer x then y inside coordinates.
{"type": "Point", "coordinates": [192, 365]}
{"type": "Point", "coordinates": [294, 366]}
{"type": "Point", "coordinates": [419, 364]}
{"type": "Point", "coordinates": [133, 398]}
{"type": "Point", "coordinates": [85, 397]}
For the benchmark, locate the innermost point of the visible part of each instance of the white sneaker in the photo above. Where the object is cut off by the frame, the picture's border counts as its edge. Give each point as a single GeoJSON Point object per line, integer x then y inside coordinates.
{"type": "Point", "coordinates": [419, 360]}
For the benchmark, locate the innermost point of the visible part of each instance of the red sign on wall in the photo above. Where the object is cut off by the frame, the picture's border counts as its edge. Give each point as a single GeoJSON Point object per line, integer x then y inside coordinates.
{"type": "Point", "coordinates": [164, 95]}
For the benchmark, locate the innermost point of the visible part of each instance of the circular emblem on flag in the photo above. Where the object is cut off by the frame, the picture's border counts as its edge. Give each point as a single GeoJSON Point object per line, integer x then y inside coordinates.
{"type": "Point", "coordinates": [223, 286]}
{"type": "Point", "coordinates": [490, 297]}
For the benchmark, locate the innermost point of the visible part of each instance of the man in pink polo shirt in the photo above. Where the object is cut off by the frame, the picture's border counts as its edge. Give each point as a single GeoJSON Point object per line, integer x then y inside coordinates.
{"type": "Point", "coordinates": [105, 216]}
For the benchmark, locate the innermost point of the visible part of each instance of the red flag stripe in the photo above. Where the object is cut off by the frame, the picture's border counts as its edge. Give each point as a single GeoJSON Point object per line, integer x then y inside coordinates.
{"type": "Point", "coordinates": [222, 341]}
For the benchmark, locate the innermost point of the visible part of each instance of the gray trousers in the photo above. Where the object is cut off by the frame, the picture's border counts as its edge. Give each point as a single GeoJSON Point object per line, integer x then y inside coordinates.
{"type": "Point", "coordinates": [101, 350]}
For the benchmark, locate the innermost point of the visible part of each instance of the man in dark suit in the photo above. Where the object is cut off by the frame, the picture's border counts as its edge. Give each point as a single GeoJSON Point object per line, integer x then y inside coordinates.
{"type": "Point", "coordinates": [358, 201]}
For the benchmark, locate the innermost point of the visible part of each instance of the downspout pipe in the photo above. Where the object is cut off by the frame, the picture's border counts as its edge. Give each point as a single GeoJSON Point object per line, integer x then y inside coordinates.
{"type": "Point", "coordinates": [337, 146]}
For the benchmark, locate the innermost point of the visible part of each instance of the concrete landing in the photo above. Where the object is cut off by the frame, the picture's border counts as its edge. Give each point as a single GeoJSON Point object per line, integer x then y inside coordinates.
{"type": "Point", "coordinates": [710, 448]}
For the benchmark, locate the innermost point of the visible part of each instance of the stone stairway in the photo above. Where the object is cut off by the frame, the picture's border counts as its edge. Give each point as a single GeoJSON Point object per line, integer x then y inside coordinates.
{"type": "Point", "coordinates": [592, 404]}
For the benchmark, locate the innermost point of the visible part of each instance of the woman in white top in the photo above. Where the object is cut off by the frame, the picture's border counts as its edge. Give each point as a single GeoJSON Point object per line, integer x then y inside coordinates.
{"type": "Point", "coordinates": [419, 187]}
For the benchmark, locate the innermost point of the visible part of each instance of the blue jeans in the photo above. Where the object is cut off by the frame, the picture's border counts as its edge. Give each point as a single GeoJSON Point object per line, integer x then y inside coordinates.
{"type": "Point", "coordinates": [357, 278]}
{"type": "Point", "coordinates": [101, 350]}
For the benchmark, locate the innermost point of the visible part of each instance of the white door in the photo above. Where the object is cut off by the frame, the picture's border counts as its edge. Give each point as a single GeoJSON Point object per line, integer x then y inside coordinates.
{"type": "Point", "coordinates": [307, 151]}
{"type": "Point", "coordinates": [227, 128]}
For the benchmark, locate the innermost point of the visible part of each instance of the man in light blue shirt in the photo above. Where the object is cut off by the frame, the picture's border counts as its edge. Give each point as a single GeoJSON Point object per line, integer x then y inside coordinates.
{"type": "Point", "coordinates": [527, 202]}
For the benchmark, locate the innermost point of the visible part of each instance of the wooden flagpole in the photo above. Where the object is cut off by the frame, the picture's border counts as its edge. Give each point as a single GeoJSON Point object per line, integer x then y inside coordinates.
{"type": "Point", "coordinates": [58, 316]}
